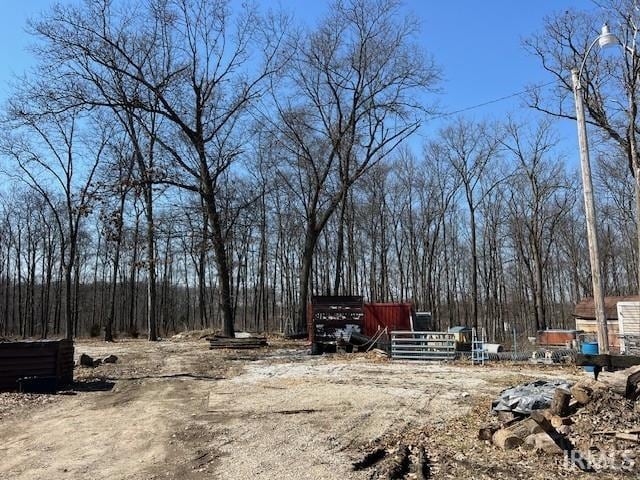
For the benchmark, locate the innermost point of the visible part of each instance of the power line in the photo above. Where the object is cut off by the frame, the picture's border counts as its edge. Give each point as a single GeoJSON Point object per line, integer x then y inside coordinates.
{"type": "Point", "coordinates": [495, 100]}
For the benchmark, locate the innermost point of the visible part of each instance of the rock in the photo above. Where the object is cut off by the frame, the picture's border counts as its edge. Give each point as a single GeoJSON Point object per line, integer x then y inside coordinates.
{"type": "Point", "coordinates": [86, 361]}
{"type": "Point", "coordinates": [582, 393]}
{"type": "Point", "coordinates": [110, 359]}
{"type": "Point", "coordinates": [541, 441]}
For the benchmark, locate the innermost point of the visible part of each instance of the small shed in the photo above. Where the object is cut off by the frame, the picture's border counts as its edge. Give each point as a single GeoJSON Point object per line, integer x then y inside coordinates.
{"type": "Point", "coordinates": [585, 315]}
{"type": "Point", "coordinates": [462, 336]}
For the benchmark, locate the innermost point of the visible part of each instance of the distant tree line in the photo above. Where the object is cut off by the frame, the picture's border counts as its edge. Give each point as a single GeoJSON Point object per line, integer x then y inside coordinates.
{"type": "Point", "coordinates": [185, 164]}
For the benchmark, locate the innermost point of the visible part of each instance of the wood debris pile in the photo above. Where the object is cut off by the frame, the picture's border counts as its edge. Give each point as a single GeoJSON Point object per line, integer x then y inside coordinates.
{"type": "Point", "coordinates": [396, 456]}
{"type": "Point", "coordinates": [593, 425]}
{"type": "Point", "coordinates": [244, 343]}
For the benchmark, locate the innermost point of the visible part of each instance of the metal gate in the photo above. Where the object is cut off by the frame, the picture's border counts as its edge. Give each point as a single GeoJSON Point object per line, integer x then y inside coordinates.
{"type": "Point", "coordinates": [422, 345]}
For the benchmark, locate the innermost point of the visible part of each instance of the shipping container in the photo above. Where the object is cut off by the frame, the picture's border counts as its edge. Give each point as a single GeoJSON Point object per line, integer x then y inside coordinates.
{"type": "Point", "coordinates": [392, 316]}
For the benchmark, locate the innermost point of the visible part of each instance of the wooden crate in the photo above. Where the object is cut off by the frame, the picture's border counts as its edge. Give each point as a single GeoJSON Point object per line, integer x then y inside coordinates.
{"type": "Point", "coordinates": [43, 358]}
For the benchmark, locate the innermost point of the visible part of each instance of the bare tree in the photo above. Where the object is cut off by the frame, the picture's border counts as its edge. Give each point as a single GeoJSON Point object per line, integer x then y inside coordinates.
{"type": "Point", "coordinates": [351, 96]}
{"type": "Point", "coordinates": [539, 199]}
{"type": "Point", "coordinates": [58, 162]}
{"type": "Point", "coordinates": [189, 62]}
{"type": "Point", "coordinates": [611, 84]}
{"type": "Point", "coordinates": [470, 149]}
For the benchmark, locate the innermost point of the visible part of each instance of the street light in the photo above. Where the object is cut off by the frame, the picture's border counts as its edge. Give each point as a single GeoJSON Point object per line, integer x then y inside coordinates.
{"type": "Point", "coordinates": [604, 40]}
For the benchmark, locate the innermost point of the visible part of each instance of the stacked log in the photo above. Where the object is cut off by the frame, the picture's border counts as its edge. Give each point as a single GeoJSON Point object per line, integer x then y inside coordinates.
{"type": "Point", "coordinates": [217, 342]}
{"type": "Point", "coordinates": [589, 416]}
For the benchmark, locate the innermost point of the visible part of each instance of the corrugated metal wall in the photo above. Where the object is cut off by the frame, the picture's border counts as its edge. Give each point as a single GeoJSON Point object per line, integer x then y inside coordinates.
{"type": "Point", "coordinates": [45, 358]}
{"type": "Point", "coordinates": [394, 316]}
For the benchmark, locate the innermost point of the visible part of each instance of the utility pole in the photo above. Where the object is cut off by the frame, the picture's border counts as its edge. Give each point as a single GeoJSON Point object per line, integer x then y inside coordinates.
{"type": "Point", "coordinates": [592, 238]}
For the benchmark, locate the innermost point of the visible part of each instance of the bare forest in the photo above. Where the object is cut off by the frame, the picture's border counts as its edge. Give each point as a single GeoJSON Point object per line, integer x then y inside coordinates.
{"type": "Point", "coordinates": [188, 164]}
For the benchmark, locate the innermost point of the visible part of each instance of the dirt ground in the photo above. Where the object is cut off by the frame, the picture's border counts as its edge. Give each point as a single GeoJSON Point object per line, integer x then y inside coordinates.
{"type": "Point", "coordinates": [176, 410]}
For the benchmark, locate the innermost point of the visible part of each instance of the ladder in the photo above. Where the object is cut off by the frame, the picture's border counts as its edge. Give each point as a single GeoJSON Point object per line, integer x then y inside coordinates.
{"type": "Point", "coordinates": [478, 352]}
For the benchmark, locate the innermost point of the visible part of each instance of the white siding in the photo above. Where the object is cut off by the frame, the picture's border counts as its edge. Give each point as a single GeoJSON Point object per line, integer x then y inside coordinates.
{"type": "Point", "coordinates": [629, 322]}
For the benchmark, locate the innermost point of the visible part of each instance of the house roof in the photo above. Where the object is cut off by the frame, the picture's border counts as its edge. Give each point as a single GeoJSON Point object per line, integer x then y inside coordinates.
{"type": "Point", "coordinates": [586, 308]}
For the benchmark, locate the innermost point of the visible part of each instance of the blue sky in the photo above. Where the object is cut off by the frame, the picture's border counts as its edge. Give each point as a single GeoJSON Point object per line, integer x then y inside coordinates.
{"type": "Point", "coordinates": [477, 43]}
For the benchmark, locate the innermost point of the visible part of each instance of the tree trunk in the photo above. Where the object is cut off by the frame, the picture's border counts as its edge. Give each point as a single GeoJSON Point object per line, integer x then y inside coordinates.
{"type": "Point", "coordinates": [151, 267]}
{"type": "Point", "coordinates": [340, 248]}
{"type": "Point", "coordinates": [474, 267]}
{"type": "Point", "coordinates": [222, 263]}
{"type": "Point", "coordinates": [311, 238]}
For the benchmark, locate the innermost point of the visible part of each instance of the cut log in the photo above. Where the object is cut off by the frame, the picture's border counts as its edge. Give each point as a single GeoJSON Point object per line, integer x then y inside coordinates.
{"type": "Point", "coordinates": [582, 393]}
{"type": "Point", "coordinates": [541, 418]}
{"type": "Point", "coordinates": [632, 437]}
{"type": "Point", "coordinates": [614, 382]}
{"type": "Point", "coordinates": [506, 417]}
{"type": "Point", "coordinates": [216, 342]}
{"type": "Point", "coordinates": [607, 361]}
{"type": "Point", "coordinates": [624, 382]}
{"type": "Point", "coordinates": [526, 427]}
{"type": "Point", "coordinates": [506, 439]}
{"type": "Point", "coordinates": [486, 433]}
{"type": "Point", "coordinates": [543, 442]}
{"type": "Point", "coordinates": [560, 402]}
{"type": "Point", "coordinates": [557, 421]}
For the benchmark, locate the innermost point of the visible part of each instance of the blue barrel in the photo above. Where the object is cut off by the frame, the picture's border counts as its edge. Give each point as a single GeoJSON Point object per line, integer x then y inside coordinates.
{"type": "Point", "coordinates": [589, 348]}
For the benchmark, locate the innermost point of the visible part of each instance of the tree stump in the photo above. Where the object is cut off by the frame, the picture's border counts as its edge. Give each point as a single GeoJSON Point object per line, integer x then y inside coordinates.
{"type": "Point", "coordinates": [560, 402]}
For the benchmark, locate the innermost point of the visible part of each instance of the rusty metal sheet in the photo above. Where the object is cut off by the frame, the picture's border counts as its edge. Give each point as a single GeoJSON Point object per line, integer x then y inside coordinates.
{"type": "Point", "coordinates": [393, 316]}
